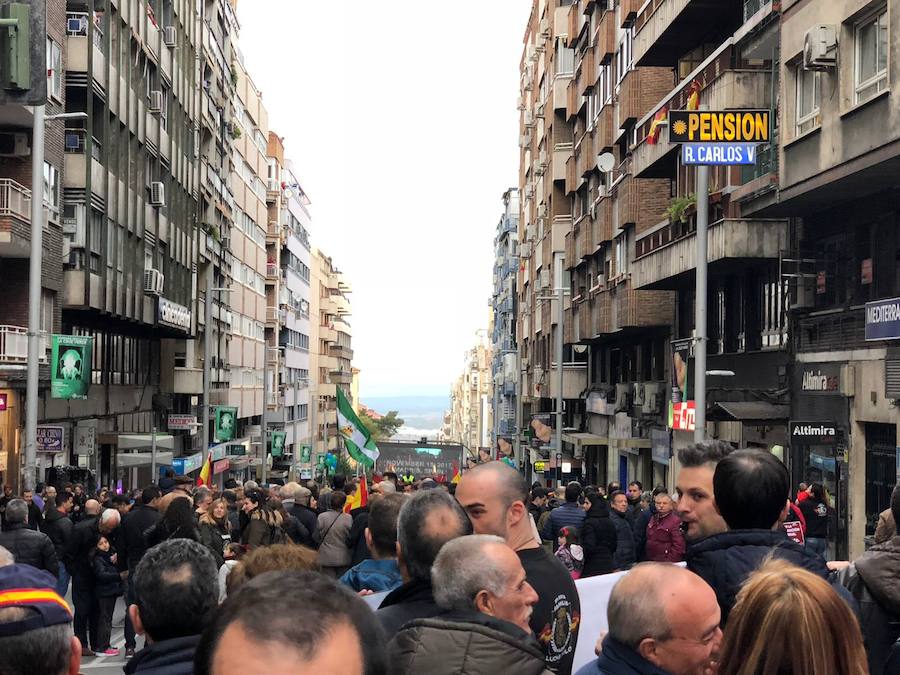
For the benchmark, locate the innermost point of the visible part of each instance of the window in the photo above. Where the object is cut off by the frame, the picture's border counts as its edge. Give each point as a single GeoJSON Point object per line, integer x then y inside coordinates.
{"type": "Point", "coordinates": [54, 70]}
{"type": "Point", "coordinates": [871, 55]}
{"type": "Point", "coordinates": [565, 59]}
{"type": "Point", "coordinates": [624, 55]}
{"type": "Point", "coordinates": [808, 97]}
{"type": "Point", "coordinates": [51, 187]}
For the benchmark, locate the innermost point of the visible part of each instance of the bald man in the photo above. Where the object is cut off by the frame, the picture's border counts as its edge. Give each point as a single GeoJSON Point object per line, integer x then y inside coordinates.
{"type": "Point", "coordinates": [427, 521]}
{"type": "Point", "coordinates": [663, 620]}
{"type": "Point", "coordinates": [495, 497]}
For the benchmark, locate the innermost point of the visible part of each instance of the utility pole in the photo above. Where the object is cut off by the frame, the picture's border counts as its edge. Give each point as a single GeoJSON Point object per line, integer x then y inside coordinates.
{"type": "Point", "coordinates": [265, 412]}
{"type": "Point", "coordinates": [700, 307]}
{"type": "Point", "coordinates": [207, 358]}
{"type": "Point", "coordinates": [34, 295]}
{"type": "Point", "coordinates": [560, 295]}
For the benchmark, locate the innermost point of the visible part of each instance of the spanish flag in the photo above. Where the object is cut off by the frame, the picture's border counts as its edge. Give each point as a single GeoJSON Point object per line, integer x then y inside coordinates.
{"type": "Point", "coordinates": [456, 476]}
{"type": "Point", "coordinates": [205, 477]}
{"type": "Point", "coordinates": [693, 101]}
{"type": "Point", "coordinates": [659, 121]}
{"type": "Point", "coordinates": [360, 498]}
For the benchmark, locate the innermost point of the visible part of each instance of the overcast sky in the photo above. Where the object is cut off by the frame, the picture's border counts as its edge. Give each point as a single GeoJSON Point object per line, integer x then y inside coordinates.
{"type": "Point", "coordinates": [401, 120]}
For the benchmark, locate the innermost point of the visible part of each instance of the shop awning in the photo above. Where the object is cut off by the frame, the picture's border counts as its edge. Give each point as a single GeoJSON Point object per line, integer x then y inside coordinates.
{"type": "Point", "coordinates": [128, 460]}
{"type": "Point", "coordinates": [748, 411]}
{"type": "Point", "coordinates": [580, 440]}
{"type": "Point", "coordinates": [145, 441]}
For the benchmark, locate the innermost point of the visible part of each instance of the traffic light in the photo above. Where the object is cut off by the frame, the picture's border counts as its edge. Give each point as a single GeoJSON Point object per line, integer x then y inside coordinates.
{"type": "Point", "coordinates": [23, 53]}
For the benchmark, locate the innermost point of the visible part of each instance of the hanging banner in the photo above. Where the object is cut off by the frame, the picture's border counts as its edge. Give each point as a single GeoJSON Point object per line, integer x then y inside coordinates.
{"type": "Point", "coordinates": [226, 421]}
{"type": "Point", "coordinates": [70, 367]}
{"type": "Point", "coordinates": [305, 452]}
{"type": "Point", "coordinates": [277, 443]}
{"type": "Point", "coordinates": [682, 408]}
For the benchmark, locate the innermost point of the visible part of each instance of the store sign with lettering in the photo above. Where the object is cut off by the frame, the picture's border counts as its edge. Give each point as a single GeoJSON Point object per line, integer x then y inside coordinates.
{"type": "Point", "coordinates": [174, 315]}
{"type": "Point", "coordinates": [50, 438]}
{"type": "Point", "coordinates": [812, 433]}
{"type": "Point", "coordinates": [820, 378]}
{"type": "Point", "coordinates": [883, 319]}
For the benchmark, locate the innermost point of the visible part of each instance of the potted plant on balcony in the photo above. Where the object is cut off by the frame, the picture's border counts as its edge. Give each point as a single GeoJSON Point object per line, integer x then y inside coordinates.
{"type": "Point", "coordinates": [681, 207]}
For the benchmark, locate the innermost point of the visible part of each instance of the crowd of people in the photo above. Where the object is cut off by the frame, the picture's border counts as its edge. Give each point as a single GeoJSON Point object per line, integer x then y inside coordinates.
{"type": "Point", "coordinates": [475, 577]}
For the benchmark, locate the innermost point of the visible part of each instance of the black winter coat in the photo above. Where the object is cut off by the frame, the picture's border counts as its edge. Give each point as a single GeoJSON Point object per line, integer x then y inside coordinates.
{"type": "Point", "coordinates": [58, 526]}
{"type": "Point", "coordinates": [624, 556]}
{"type": "Point", "coordinates": [132, 541]}
{"type": "Point", "coordinates": [356, 540]}
{"type": "Point", "coordinates": [84, 538]}
{"type": "Point", "coordinates": [30, 547]}
{"type": "Point", "coordinates": [308, 518]}
{"type": "Point", "coordinates": [599, 541]}
{"type": "Point", "coordinates": [169, 657]}
{"type": "Point", "coordinates": [215, 538]}
{"type": "Point", "coordinates": [412, 600]}
{"type": "Point", "coordinates": [639, 528]}
{"type": "Point", "coordinates": [107, 582]}
{"type": "Point", "coordinates": [725, 560]}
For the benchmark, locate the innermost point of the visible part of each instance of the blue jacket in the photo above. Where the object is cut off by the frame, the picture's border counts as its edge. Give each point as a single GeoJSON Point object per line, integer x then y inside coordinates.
{"type": "Point", "coordinates": [624, 556]}
{"type": "Point", "coordinates": [569, 514]}
{"type": "Point", "coordinates": [725, 560]}
{"type": "Point", "coordinates": [373, 575]}
{"type": "Point", "coordinates": [617, 659]}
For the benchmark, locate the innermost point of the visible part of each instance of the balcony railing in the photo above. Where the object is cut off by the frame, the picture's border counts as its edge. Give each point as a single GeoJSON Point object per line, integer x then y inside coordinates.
{"type": "Point", "coordinates": [15, 199]}
{"type": "Point", "coordinates": [76, 142]}
{"type": "Point", "coordinates": [751, 7]}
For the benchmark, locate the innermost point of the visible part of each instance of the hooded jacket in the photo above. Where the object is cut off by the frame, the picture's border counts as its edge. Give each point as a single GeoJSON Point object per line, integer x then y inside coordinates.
{"type": "Point", "coordinates": [412, 600]}
{"type": "Point", "coordinates": [599, 540]}
{"type": "Point", "coordinates": [263, 528]}
{"type": "Point", "coordinates": [873, 582]}
{"type": "Point", "coordinates": [725, 560]}
{"type": "Point", "coordinates": [465, 642]}
{"type": "Point", "coordinates": [618, 659]}
{"type": "Point", "coordinates": [169, 657]}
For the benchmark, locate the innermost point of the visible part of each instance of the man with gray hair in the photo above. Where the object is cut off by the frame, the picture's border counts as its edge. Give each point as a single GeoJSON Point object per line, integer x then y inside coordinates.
{"type": "Point", "coordinates": [487, 606]}
{"type": "Point", "coordinates": [427, 521]}
{"type": "Point", "coordinates": [295, 500]}
{"type": "Point", "coordinates": [663, 620]}
{"type": "Point", "coordinates": [29, 547]}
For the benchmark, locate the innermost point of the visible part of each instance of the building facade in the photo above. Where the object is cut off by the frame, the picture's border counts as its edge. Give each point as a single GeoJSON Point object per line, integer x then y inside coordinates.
{"type": "Point", "coordinates": [504, 364]}
{"type": "Point", "coordinates": [471, 398]}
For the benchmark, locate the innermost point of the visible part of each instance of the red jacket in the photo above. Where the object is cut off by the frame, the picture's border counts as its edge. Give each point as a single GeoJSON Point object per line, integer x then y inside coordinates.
{"type": "Point", "coordinates": [802, 495]}
{"type": "Point", "coordinates": [665, 542]}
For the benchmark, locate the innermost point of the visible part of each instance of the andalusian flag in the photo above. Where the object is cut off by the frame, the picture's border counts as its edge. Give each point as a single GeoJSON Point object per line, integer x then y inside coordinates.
{"type": "Point", "coordinates": [356, 437]}
{"type": "Point", "coordinates": [205, 477]}
{"type": "Point", "coordinates": [360, 498]}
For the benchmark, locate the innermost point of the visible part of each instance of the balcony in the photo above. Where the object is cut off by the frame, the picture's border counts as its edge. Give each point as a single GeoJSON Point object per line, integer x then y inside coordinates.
{"type": "Point", "coordinates": [669, 251]}
{"type": "Point", "coordinates": [664, 30]}
{"type": "Point", "coordinates": [561, 154]}
{"type": "Point", "coordinates": [574, 381]}
{"type": "Point", "coordinates": [275, 315]}
{"type": "Point", "coordinates": [15, 219]}
{"type": "Point", "coordinates": [77, 53]}
{"type": "Point", "coordinates": [188, 381]}
{"type": "Point", "coordinates": [606, 36]}
{"type": "Point", "coordinates": [14, 346]}
{"type": "Point", "coordinates": [324, 389]}
{"type": "Point", "coordinates": [344, 377]}
{"type": "Point", "coordinates": [722, 88]}
{"type": "Point", "coordinates": [340, 352]}
{"type": "Point", "coordinates": [75, 163]}
{"type": "Point", "coordinates": [273, 272]}
{"type": "Point", "coordinates": [604, 223]}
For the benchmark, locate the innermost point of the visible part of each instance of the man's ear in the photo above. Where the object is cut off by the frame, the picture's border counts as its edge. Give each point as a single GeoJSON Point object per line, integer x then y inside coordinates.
{"type": "Point", "coordinates": [484, 603]}
{"type": "Point", "coordinates": [74, 656]}
{"type": "Point", "coordinates": [135, 614]}
{"type": "Point", "coordinates": [784, 514]}
{"type": "Point", "coordinates": [647, 650]}
{"type": "Point", "coordinates": [516, 512]}
{"type": "Point", "coordinates": [368, 535]}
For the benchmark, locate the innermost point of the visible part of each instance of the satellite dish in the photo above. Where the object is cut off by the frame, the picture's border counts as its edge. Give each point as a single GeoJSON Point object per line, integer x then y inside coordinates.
{"type": "Point", "coordinates": [606, 162]}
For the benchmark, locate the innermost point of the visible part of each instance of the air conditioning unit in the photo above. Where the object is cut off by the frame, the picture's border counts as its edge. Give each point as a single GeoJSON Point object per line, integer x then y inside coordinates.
{"type": "Point", "coordinates": [654, 397]}
{"type": "Point", "coordinates": [531, 53]}
{"type": "Point", "coordinates": [820, 47]}
{"type": "Point", "coordinates": [638, 399]}
{"type": "Point", "coordinates": [14, 145]}
{"type": "Point", "coordinates": [539, 111]}
{"type": "Point", "coordinates": [520, 105]}
{"type": "Point", "coordinates": [155, 101]}
{"type": "Point", "coordinates": [169, 36]}
{"type": "Point", "coordinates": [623, 393]}
{"type": "Point", "coordinates": [157, 194]}
{"type": "Point", "coordinates": [545, 27]}
{"type": "Point", "coordinates": [542, 211]}
{"type": "Point", "coordinates": [529, 191]}
{"type": "Point", "coordinates": [154, 282]}
{"type": "Point", "coordinates": [529, 119]}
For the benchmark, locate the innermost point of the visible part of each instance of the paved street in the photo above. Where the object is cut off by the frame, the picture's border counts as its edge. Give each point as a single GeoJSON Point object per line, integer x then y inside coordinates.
{"type": "Point", "coordinates": [107, 665]}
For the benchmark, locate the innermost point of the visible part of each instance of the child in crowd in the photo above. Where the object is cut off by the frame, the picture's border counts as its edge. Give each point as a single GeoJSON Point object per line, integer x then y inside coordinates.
{"type": "Point", "coordinates": [570, 552]}
{"type": "Point", "coordinates": [107, 588]}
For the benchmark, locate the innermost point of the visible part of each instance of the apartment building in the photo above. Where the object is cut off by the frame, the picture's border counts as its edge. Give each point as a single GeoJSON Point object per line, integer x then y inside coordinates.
{"type": "Point", "coordinates": [471, 414]}
{"type": "Point", "coordinates": [288, 291]}
{"type": "Point", "coordinates": [332, 353]}
{"type": "Point", "coordinates": [15, 242]}
{"type": "Point", "coordinates": [839, 149]}
{"type": "Point", "coordinates": [504, 364]}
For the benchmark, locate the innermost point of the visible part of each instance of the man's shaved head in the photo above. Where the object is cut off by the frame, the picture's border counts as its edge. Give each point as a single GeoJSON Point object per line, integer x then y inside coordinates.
{"type": "Point", "coordinates": [508, 483]}
{"type": "Point", "coordinates": [494, 497]}
{"type": "Point", "coordinates": [92, 507]}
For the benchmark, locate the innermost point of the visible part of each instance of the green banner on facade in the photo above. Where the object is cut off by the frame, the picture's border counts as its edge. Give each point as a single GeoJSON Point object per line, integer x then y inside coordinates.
{"type": "Point", "coordinates": [226, 422]}
{"type": "Point", "coordinates": [306, 453]}
{"type": "Point", "coordinates": [277, 446]}
{"type": "Point", "coordinates": [70, 367]}
{"type": "Point", "coordinates": [320, 460]}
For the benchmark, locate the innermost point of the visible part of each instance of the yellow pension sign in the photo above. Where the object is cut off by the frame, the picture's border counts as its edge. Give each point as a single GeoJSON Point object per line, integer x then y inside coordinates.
{"type": "Point", "coordinates": [719, 126]}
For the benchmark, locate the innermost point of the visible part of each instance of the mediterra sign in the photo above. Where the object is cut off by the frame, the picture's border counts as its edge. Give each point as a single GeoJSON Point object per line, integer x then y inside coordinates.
{"type": "Point", "coordinates": [723, 126]}
{"type": "Point", "coordinates": [813, 433]}
{"type": "Point", "coordinates": [883, 319]}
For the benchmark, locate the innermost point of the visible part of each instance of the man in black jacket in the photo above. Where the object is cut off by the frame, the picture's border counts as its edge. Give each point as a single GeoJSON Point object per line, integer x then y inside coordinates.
{"type": "Point", "coordinates": [296, 503]}
{"type": "Point", "coordinates": [752, 493]}
{"type": "Point", "coordinates": [35, 517]}
{"type": "Point", "coordinates": [426, 522]}
{"type": "Point", "coordinates": [132, 546]}
{"type": "Point", "coordinates": [175, 595]}
{"type": "Point", "coordinates": [58, 527]}
{"type": "Point", "coordinates": [28, 546]}
{"type": "Point", "coordinates": [624, 556]}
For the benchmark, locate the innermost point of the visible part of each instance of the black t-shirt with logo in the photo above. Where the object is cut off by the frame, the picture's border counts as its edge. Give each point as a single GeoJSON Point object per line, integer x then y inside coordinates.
{"type": "Point", "coordinates": [557, 613]}
{"type": "Point", "coordinates": [816, 514]}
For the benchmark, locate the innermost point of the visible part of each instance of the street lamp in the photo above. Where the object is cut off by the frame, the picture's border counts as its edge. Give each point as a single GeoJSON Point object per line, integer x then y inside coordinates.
{"type": "Point", "coordinates": [207, 357]}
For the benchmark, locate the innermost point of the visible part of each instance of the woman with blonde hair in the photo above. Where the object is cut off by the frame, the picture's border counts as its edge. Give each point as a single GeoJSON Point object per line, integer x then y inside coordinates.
{"type": "Point", "coordinates": [215, 529]}
{"type": "Point", "coordinates": [789, 620]}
